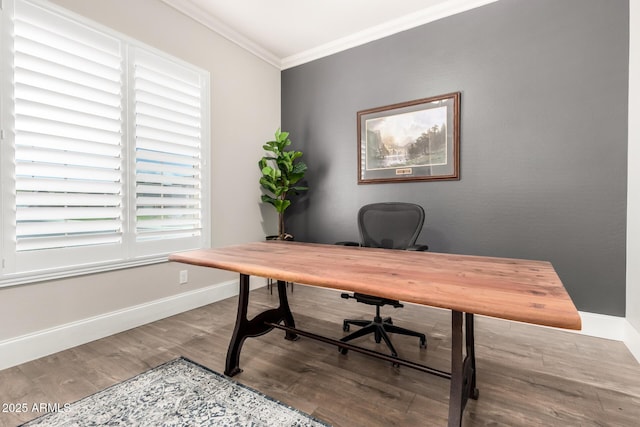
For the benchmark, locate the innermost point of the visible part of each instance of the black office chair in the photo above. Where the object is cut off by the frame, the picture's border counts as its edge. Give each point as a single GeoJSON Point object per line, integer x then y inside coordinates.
{"type": "Point", "coordinates": [393, 225]}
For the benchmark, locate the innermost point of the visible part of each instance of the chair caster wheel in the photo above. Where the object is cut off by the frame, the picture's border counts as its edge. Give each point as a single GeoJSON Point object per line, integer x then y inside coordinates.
{"type": "Point", "coordinates": [343, 350]}
{"type": "Point", "coordinates": [346, 327]}
{"type": "Point", "coordinates": [423, 344]}
{"type": "Point", "coordinates": [395, 364]}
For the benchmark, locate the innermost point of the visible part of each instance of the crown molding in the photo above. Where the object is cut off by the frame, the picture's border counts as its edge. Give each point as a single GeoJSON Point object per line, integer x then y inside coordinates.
{"type": "Point", "coordinates": [214, 24]}
{"type": "Point", "coordinates": [407, 22]}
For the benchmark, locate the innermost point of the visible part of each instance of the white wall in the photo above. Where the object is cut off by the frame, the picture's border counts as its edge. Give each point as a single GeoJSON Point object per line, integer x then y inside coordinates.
{"type": "Point", "coordinates": [245, 99]}
{"type": "Point", "coordinates": [633, 190]}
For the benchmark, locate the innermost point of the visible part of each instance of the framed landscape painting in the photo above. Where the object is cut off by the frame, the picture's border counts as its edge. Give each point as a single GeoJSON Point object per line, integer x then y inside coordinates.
{"type": "Point", "coordinates": [412, 141]}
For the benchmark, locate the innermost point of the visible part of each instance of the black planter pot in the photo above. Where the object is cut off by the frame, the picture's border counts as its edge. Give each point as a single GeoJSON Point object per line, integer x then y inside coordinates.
{"type": "Point", "coordinates": [287, 237]}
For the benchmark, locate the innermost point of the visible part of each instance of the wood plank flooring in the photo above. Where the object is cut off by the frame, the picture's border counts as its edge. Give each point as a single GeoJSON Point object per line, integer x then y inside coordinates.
{"type": "Point", "coordinates": [527, 375]}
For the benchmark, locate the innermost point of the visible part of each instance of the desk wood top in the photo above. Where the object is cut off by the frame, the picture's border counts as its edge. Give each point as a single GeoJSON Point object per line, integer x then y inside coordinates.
{"type": "Point", "coordinates": [513, 289]}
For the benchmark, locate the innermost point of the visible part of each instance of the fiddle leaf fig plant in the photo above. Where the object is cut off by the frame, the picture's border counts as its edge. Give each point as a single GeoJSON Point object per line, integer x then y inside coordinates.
{"type": "Point", "coordinates": [281, 170]}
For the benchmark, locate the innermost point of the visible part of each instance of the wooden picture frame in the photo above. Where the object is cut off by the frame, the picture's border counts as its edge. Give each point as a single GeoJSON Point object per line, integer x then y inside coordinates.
{"type": "Point", "coordinates": [411, 141]}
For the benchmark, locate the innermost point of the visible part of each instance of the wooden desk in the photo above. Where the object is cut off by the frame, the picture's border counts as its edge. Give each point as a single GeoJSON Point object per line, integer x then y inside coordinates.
{"type": "Point", "coordinates": [520, 290]}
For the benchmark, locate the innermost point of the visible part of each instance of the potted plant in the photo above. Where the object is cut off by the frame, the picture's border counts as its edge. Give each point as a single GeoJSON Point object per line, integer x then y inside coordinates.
{"type": "Point", "coordinates": [281, 171]}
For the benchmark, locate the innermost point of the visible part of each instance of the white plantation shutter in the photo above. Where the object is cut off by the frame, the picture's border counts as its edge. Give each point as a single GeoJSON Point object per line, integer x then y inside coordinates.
{"type": "Point", "coordinates": [68, 121]}
{"type": "Point", "coordinates": [104, 147]}
{"type": "Point", "coordinates": [168, 139]}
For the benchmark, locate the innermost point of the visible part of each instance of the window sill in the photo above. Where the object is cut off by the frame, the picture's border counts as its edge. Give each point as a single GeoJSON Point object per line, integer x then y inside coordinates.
{"type": "Point", "coordinates": [28, 278]}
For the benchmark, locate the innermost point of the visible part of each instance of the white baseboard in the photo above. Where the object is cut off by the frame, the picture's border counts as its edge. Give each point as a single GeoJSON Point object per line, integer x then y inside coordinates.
{"type": "Point", "coordinates": [603, 326]}
{"type": "Point", "coordinates": [632, 340]}
{"type": "Point", "coordinates": [613, 328]}
{"type": "Point", "coordinates": [15, 351]}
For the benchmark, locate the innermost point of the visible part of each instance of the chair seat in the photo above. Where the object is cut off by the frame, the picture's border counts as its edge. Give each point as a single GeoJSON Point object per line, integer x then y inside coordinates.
{"type": "Point", "coordinates": [377, 301]}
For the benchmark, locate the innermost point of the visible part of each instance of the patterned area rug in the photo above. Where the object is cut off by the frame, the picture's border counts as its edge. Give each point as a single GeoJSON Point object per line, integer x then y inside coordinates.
{"type": "Point", "coordinates": [178, 393]}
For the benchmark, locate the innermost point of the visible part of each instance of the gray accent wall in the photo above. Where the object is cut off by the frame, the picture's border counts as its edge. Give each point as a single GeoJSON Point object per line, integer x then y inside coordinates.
{"type": "Point", "coordinates": [543, 167]}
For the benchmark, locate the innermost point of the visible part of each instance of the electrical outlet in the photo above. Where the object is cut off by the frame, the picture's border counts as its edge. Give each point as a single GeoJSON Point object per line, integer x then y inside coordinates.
{"type": "Point", "coordinates": [184, 276]}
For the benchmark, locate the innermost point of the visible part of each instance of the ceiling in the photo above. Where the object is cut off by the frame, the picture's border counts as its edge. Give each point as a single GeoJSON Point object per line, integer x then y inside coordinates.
{"type": "Point", "coordinates": [286, 33]}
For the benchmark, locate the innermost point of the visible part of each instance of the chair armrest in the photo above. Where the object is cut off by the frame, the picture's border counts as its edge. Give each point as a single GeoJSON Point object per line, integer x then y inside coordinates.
{"type": "Point", "coordinates": [348, 243]}
{"type": "Point", "coordinates": [420, 248]}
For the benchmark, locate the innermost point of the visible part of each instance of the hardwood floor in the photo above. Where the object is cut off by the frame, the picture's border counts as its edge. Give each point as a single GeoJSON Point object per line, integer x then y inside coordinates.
{"type": "Point", "coordinates": [527, 375]}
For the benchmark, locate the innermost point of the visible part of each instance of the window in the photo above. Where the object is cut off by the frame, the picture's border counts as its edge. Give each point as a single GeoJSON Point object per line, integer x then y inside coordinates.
{"type": "Point", "coordinates": [104, 148]}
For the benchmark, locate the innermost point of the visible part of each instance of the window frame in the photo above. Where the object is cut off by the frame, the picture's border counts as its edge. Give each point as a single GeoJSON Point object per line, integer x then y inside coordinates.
{"type": "Point", "coordinates": [128, 253]}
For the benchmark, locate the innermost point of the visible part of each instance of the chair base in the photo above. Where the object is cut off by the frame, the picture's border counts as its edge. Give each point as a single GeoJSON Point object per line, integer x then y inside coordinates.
{"type": "Point", "coordinates": [380, 328]}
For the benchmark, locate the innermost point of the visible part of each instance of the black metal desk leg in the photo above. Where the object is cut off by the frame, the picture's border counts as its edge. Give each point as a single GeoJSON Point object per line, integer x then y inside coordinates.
{"type": "Point", "coordinates": [285, 310]}
{"type": "Point", "coordinates": [257, 326]}
{"type": "Point", "coordinates": [470, 361]}
{"type": "Point", "coordinates": [463, 371]}
{"type": "Point", "coordinates": [232, 366]}
{"type": "Point", "coordinates": [456, 405]}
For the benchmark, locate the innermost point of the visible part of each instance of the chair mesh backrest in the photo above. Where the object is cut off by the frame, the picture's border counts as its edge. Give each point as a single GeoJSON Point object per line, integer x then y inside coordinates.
{"type": "Point", "coordinates": [390, 225]}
